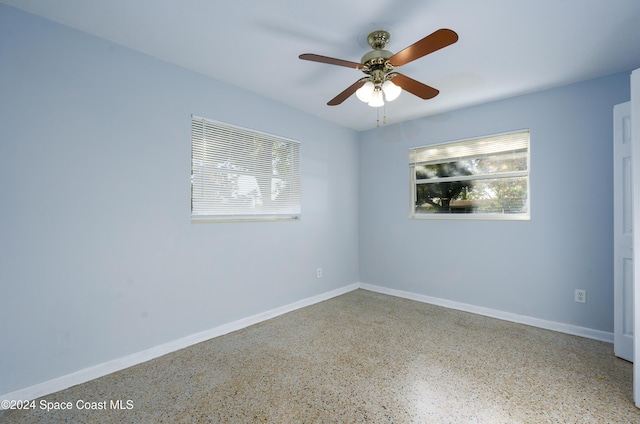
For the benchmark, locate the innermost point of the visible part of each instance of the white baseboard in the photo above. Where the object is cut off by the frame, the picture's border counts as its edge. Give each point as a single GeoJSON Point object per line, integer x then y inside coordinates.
{"type": "Point", "coordinates": [87, 374]}
{"type": "Point", "coordinates": [589, 333]}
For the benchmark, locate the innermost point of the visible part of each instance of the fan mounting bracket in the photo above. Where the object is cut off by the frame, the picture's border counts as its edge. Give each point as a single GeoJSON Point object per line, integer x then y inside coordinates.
{"type": "Point", "coordinates": [378, 39]}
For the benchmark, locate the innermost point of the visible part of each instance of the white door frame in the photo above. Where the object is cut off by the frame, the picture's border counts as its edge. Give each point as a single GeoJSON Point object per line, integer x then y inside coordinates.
{"type": "Point", "coordinates": [635, 134]}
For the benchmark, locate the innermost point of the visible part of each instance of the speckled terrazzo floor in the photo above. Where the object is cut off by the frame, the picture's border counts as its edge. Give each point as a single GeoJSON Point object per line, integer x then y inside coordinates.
{"type": "Point", "coordinates": [367, 357]}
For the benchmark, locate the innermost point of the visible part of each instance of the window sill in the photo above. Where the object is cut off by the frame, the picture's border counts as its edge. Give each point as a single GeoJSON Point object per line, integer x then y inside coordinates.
{"type": "Point", "coordinates": [471, 217]}
{"type": "Point", "coordinates": [257, 218]}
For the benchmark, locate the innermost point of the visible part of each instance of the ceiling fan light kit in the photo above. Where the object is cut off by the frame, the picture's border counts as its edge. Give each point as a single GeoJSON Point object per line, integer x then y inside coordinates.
{"type": "Point", "coordinates": [380, 67]}
{"type": "Point", "coordinates": [372, 94]}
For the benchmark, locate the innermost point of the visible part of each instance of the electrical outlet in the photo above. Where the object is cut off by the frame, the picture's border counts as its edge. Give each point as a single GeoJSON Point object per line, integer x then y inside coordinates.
{"type": "Point", "coordinates": [581, 296]}
{"type": "Point", "coordinates": [319, 272]}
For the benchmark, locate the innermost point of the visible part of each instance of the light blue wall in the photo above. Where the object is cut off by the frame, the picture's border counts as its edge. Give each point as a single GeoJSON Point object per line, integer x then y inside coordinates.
{"type": "Point", "coordinates": [98, 258]}
{"type": "Point", "coordinates": [524, 267]}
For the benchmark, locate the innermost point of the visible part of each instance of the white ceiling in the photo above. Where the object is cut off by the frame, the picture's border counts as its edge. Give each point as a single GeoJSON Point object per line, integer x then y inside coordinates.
{"type": "Point", "coordinates": [506, 47]}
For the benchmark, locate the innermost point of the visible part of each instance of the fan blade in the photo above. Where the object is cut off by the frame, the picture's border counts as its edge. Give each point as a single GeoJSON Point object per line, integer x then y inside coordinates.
{"type": "Point", "coordinates": [330, 60]}
{"type": "Point", "coordinates": [347, 93]}
{"type": "Point", "coordinates": [414, 87]}
{"type": "Point", "coordinates": [429, 44]}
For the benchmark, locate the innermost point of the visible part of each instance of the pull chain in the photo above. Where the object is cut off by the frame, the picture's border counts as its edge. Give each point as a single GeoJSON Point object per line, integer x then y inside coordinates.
{"type": "Point", "coordinates": [384, 116]}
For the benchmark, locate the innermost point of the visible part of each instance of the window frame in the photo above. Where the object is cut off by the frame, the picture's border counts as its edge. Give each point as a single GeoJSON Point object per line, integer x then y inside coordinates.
{"type": "Point", "coordinates": [215, 214]}
{"type": "Point", "coordinates": [413, 183]}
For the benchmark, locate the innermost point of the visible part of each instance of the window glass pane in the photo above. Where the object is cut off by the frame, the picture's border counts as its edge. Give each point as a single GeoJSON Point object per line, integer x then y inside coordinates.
{"type": "Point", "coordinates": [503, 162]}
{"type": "Point", "coordinates": [485, 196]}
{"type": "Point", "coordinates": [483, 177]}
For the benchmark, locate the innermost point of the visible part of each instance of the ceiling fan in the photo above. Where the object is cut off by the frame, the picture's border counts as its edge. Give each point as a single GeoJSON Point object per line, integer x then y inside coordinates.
{"type": "Point", "coordinates": [382, 81]}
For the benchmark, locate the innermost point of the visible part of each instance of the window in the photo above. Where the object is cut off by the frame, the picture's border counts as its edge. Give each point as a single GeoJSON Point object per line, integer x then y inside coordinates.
{"type": "Point", "coordinates": [238, 174]}
{"type": "Point", "coordinates": [481, 178]}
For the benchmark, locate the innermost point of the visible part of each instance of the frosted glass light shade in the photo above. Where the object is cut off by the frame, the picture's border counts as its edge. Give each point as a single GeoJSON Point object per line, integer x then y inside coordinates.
{"type": "Point", "coordinates": [365, 92]}
{"type": "Point", "coordinates": [376, 98]}
{"type": "Point", "coordinates": [391, 91]}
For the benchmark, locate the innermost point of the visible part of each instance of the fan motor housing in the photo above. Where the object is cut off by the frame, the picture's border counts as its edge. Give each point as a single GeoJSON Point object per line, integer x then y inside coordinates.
{"type": "Point", "coordinates": [376, 64]}
{"type": "Point", "coordinates": [376, 54]}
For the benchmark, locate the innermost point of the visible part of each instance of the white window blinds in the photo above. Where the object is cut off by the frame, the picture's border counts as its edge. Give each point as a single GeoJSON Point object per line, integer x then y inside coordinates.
{"type": "Point", "coordinates": [499, 143]}
{"type": "Point", "coordinates": [241, 174]}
